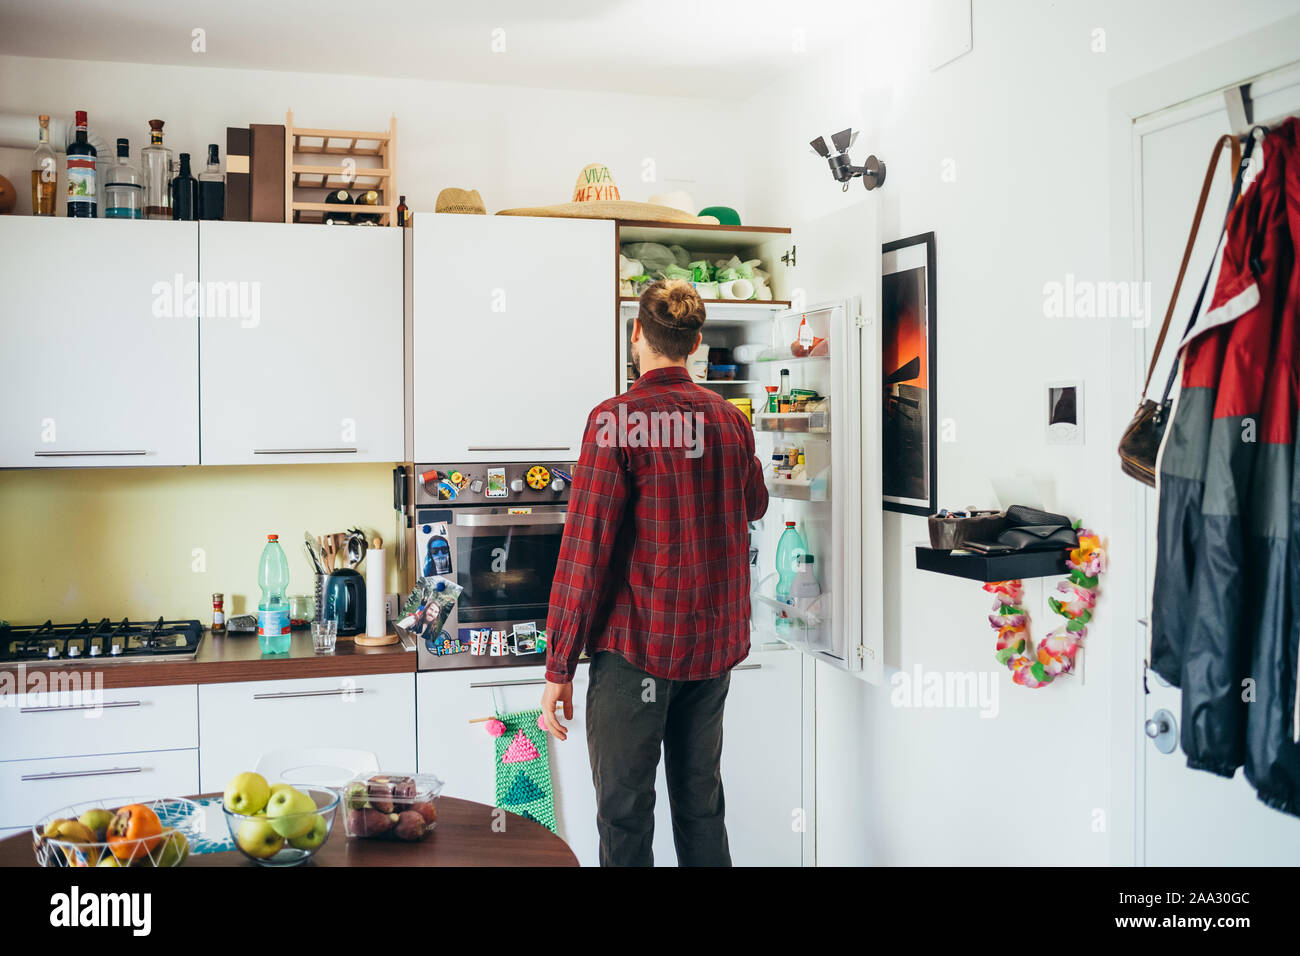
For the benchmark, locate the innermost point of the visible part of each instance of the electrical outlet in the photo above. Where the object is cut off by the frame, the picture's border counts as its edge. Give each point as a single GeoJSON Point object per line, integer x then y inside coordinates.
{"type": "Point", "coordinates": [390, 607]}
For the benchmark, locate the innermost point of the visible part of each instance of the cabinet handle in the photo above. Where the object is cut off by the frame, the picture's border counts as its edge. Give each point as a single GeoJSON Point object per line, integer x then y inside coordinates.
{"type": "Point", "coordinates": [507, 683]}
{"type": "Point", "coordinates": [84, 454]}
{"type": "Point", "coordinates": [747, 667]}
{"type": "Point", "coordinates": [288, 694]}
{"type": "Point", "coordinates": [304, 451]}
{"type": "Point", "coordinates": [27, 778]}
{"type": "Point", "coordinates": [107, 706]}
{"type": "Point", "coordinates": [518, 447]}
{"type": "Point", "coordinates": [496, 521]}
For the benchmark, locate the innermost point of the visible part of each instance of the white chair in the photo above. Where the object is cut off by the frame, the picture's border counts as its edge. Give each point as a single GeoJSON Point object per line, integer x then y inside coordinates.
{"type": "Point", "coordinates": [316, 766]}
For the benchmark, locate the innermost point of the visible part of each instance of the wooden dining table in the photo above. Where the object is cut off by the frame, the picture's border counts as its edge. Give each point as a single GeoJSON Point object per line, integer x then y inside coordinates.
{"type": "Point", "coordinates": [465, 836]}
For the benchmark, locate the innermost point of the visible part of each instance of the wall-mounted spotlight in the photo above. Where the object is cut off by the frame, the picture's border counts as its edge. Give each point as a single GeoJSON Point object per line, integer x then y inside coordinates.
{"type": "Point", "coordinates": [842, 168]}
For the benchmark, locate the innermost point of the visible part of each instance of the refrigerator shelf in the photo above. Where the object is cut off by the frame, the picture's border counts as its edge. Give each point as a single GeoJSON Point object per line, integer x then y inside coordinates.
{"type": "Point", "coordinates": [817, 423]}
{"type": "Point", "coordinates": [799, 489]}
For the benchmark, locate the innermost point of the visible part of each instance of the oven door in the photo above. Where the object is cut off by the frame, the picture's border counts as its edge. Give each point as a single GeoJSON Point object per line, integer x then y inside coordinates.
{"type": "Point", "coordinates": [505, 563]}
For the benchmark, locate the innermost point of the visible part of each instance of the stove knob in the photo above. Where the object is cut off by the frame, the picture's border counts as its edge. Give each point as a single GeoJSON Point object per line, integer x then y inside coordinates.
{"type": "Point", "coordinates": [94, 650]}
{"type": "Point", "coordinates": [557, 485]}
{"type": "Point", "coordinates": [74, 651]}
{"type": "Point", "coordinates": [117, 649]}
{"type": "Point", "coordinates": [52, 652]}
{"type": "Point", "coordinates": [517, 485]}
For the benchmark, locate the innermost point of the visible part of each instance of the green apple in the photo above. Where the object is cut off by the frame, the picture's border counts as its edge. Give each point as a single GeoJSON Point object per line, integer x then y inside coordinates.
{"type": "Point", "coordinates": [258, 840]}
{"type": "Point", "coordinates": [313, 837]}
{"type": "Point", "coordinates": [97, 820]}
{"type": "Point", "coordinates": [291, 812]}
{"type": "Point", "coordinates": [174, 850]}
{"type": "Point", "coordinates": [277, 787]}
{"type": "Point", "coordinates": [247, 793]}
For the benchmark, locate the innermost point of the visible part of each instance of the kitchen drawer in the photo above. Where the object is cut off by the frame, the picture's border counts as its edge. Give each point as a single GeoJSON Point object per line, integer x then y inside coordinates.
{"type": "Point", "coordinates": [241, 721]}
{"type": "Point", "coordinates": [31, 788]}
{"type": "Point", "coordinates": [118, 720]}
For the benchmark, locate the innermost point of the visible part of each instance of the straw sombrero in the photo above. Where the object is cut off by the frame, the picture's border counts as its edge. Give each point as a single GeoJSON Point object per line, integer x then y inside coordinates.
{"type": "Point", "coordinates": [463, 201]}
{"type": "Point", "coordinates": [595, 196]}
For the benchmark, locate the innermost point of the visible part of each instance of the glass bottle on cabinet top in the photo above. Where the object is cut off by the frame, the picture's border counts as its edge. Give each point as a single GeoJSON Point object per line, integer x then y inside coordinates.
{"type": "Point", "coordinates": [212, 187]}
{"type": "Point", "coordinates": [185, 192]}
{"type": "Point", "coordinates": [124, 189]}
{"type": "Point", "coordinates": [83, 199]}
{"type": "Point", "coordinates": [45, 172]}
{"type": "Point", "coordinates": [156, 167]}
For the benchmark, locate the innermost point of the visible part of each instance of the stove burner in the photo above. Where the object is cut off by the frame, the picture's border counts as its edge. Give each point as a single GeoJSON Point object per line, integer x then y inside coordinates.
{"type": "Point", "coordinates": [123, 640]}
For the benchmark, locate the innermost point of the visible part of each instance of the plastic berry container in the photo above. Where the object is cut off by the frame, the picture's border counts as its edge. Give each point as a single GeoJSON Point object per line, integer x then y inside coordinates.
{"type": "Point", "coordinates": [391, 806]}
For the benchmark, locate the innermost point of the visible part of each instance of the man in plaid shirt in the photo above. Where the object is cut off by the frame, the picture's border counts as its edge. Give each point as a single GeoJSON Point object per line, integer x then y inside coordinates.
{"type": "Point", "coordinates": [652, 582]}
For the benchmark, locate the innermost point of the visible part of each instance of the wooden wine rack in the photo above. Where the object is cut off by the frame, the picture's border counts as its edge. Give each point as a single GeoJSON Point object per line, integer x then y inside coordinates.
{"type": "Point", "coordinates": [324, 176]}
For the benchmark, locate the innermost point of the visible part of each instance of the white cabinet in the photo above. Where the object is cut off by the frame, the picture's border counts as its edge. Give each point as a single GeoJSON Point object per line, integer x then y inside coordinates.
{"type": "Point", "coordinates": [300, 343]}
{"type": "Point", "coordinates": [100, 357]}
{"type": "Point", "coordinates": [761, 764]}
{"type": "Point", "coordinates": [463, 756]}
{"type": "Point", "coordinates": [239, 722]}
{"type": "Point", "coordinates": [514, 335]}
{"type": "Point", "coordinates": [98, 721]}
{"type": "Point", "coordinates": [29, 789]}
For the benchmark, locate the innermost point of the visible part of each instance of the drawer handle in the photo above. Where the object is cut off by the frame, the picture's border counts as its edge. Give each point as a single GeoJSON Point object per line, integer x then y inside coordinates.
{"type": "Point", "coordinates": [287, 694]}
{"type": "Point", "coordinates": [106, 706]}
{"type": "Point", "coordinates": [304, 451]}
{"type": "Point", "coordinates": [747, 667]}
{"type": "Point", "coordinates": [79, 773]}
{"type": "Point", "coordinates": [81, 454]}
{"type": "Point", "coordinates": [507, 683]}
{"type": "Point", "coordinates": [518, 447]}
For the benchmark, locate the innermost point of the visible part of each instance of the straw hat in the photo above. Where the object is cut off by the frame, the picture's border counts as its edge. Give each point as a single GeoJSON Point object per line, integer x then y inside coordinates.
{"type": "Point", "coordinates": [596, 196]}
{"type": "Point", "coordinates": [464, 201]}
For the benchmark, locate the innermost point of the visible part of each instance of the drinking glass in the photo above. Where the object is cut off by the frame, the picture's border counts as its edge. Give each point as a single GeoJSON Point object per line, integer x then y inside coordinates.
{"type": "Point", "coordinates": [323, 636]}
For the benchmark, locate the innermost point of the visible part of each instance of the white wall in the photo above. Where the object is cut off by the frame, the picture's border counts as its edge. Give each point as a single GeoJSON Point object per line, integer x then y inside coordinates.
{"type": "Point", "coordinates": [518, 147]}
{"type": "Point", "coordinates": [1023, 120]}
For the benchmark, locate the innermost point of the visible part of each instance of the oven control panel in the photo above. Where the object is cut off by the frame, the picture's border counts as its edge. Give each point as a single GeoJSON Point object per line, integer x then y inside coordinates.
{"type": "Point", "coordinates": [540, 482]}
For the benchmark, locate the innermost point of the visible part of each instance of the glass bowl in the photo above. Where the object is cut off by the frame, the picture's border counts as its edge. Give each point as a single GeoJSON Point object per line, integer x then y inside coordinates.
{"type": "Point", "coordinates": [284, 839]}
{"type": "Point", "coordinates": [72, 836]}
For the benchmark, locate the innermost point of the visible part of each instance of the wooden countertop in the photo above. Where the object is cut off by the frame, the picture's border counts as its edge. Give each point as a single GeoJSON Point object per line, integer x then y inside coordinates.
{"type": "Point", "coordinates": [467, 835]}
{"type": "Point", "coordinates": [224, 658]}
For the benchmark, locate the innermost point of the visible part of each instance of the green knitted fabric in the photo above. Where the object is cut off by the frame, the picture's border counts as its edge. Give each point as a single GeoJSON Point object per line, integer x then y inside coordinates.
{"type": "Point", "coordinates": [525, 787]}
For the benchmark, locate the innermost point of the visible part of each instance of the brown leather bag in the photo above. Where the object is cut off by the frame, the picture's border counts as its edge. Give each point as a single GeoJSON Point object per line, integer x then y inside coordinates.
{"type": "Point", "coordinates": [1140, 443]}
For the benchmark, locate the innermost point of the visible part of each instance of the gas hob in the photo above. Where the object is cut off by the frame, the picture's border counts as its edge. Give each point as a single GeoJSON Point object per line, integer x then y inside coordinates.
{"type": "Point", "coordinates": [106, 641]}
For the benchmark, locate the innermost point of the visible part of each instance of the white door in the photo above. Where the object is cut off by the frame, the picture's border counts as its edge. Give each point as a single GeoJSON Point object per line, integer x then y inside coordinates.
{"type": "Point", "coordinates": [1192, 817]}
{"type": "Point", "coordinates": [100, 357]}
{"type": "Point", "coordinates": [301, 343]}
{"type": "Point", "coordinates": [514, 335]}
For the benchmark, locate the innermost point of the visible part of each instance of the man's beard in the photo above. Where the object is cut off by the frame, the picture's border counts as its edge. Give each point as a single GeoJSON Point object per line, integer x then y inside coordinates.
{"type": "Point", "coordinates": [636, 358]}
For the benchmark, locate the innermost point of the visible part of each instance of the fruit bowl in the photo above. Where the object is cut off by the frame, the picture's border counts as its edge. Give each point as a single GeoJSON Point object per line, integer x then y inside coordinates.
{"type": "Point", "coordinates": [286, 832]}
{"type": "Point", "coordinates": [120, 831]}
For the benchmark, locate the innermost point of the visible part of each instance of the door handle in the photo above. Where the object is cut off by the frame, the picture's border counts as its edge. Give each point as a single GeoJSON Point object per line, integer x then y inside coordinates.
{"type": "Point", "coordinates": [292, 694]}
{"type": "Point", "coordinates": [1162, 728]}
{"type": "Point", "coordinates": [492, 521]}
{"type": "Point", "coordinates": [90, 454]}
{"type": "Point", "coordinates": [71, 707]}
{"type": "Point", "coordinates": [747, 667]}
{"type": "Point", "coordinates": [304, 451]}
{"type": "Point", "coordinates": [68, 774]}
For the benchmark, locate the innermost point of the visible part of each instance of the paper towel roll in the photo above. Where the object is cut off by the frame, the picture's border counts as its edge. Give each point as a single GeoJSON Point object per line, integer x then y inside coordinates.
{"type": "Point", "coordinates": [376, 576]}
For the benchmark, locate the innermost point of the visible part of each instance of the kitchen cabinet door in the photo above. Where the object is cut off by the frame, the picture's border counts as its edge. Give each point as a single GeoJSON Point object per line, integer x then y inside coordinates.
{"type": "Point", "coordinates": [514, 335]}
{"type": "Point", "coordinates": [100, 357]}
{"type": "Point", "coordinates": [462, 754]}
{"type": "Point", "coordinates": [29, 789]}
{"type": "Point", "coordinates": [300, 343]}
{"type": "Point", "coordinates": [762, 763]}
{"type": "Point", "coordinates": [239, 722]}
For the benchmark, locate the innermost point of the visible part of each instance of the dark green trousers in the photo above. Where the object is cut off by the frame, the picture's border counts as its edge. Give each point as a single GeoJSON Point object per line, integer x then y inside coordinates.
{"type": "Point", "coordinates": [631, 716]}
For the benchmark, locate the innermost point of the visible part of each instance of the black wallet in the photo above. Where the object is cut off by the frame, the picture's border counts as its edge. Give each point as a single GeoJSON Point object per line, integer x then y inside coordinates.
{"type": "Point", "coordinates": [1029, 529]}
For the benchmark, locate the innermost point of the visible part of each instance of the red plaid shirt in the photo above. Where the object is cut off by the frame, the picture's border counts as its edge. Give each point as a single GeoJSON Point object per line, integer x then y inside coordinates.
{"type": "Point", "coordinates": [655, 558]}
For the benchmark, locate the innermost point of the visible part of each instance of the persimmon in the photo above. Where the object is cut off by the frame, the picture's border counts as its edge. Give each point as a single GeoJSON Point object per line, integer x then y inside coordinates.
{"type": "Point", "coordinates": [134, 832]}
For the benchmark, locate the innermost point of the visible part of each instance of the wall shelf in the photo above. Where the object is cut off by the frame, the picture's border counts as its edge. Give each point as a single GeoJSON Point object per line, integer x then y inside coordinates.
{"type": "Point", "coordinates": [992, 567]}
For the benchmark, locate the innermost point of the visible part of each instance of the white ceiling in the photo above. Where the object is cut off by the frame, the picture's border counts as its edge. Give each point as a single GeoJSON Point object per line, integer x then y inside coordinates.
{"type": "Point", "coordinates": [704, 48]}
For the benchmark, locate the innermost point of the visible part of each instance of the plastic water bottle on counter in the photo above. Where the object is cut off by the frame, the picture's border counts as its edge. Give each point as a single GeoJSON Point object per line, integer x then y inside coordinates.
{"type": "Point", "coordinates": [273, 610]}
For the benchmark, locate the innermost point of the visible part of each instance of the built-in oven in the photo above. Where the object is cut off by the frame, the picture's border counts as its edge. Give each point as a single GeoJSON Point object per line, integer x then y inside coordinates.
{"type": "Point", "coordinates": [495, 531]}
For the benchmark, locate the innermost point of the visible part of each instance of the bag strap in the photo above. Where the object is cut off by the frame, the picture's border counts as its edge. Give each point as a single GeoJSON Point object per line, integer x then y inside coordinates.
{"type": "Point", "coordinates": [1242, 163]}
{"type": "Point", "coordinates": [1232, 143]}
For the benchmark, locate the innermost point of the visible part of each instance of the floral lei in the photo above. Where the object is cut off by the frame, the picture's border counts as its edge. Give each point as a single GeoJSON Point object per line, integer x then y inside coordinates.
{"type": "Point", "coordinates": [1032, 666]}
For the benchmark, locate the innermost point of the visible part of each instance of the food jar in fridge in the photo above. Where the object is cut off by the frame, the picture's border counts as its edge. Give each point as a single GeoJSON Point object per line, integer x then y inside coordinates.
{"type": "Point", "coordinates": [391, 806]}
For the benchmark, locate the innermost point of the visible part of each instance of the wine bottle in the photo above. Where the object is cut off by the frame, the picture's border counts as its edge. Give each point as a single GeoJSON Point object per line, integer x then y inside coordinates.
{"type": "Point", "coordinates": [45, 172]}
{"type": "Point", "coordinates": [368, 198]}
{"type": "Point", "coordinates": [212, 187]}
{"type": "Point", "coordinates": [339, 197]}
{"type": "Point", "coordinates": [185, 193]}
{"type": "Point", "coordinates": [403, 214]}
{"type": "Point", "coordinates": [82, 199]}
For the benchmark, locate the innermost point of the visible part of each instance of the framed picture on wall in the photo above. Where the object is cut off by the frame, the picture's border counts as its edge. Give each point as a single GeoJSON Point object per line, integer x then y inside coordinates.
{"type": "Point", "coordinates": [908, 436]}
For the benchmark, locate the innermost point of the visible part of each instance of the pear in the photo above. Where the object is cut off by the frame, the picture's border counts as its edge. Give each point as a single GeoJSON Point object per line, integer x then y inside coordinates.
{"type": "Point", "coordinates": [97, 820]}
{"type": "Point", "coordinates": [174, 851]}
